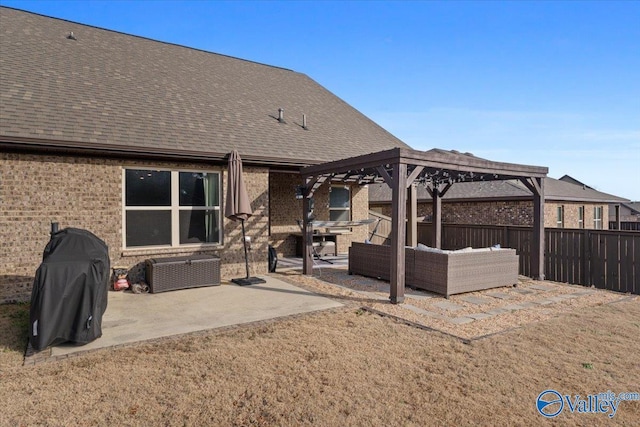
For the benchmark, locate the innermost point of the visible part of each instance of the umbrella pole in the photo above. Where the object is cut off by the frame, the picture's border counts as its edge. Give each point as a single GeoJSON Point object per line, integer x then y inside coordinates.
{"type": "Point", "coordinates": [244, 242]}
{"type": "Point", "coordinates": [246, 280]}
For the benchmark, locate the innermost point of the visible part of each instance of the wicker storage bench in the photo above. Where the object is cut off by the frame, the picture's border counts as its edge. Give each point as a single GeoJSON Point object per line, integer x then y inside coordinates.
{"type": "Point", "coordinates": [446, 273]}
{"type": "Point", "coordinates": [168, 274]}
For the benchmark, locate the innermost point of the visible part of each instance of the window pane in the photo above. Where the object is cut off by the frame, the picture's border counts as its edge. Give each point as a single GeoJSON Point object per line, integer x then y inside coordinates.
{"type": "Point", "coordinates": [199, 226]}
{"type": "Point", "coordinates": [339, 215]}
{"type": "Point", "coordinates": [147, 188]}
{"type": "Point", "coordinates": [199, 189]}
{"type": "Point", "coordinates": [339, 197]}
{"type": "Point", "coordinates": [148, 228]}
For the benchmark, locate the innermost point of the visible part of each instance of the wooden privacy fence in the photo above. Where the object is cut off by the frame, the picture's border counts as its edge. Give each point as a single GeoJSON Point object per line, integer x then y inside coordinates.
{"type": "Point", "coordinates": [603, 258]}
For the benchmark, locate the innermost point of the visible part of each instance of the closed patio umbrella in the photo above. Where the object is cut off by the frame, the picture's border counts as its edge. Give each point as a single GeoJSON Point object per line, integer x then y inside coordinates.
{"type": "Point", "coordinates": [238, 208]}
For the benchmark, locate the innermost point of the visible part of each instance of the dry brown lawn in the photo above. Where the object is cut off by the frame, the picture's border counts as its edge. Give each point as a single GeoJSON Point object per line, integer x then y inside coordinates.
{"type": "Point", "coordinates": [333, 368]}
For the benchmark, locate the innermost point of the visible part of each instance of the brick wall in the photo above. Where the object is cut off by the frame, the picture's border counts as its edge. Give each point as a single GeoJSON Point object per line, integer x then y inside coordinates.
{"type": "Point", "coordinates": [490, 213]}
{"type": "Point", "coordinates": [505, 213]}
{"type": "Point", "coordinates": [286, 209]}
{"type": "Point", "coordinates": [571, 214]}
{"type": "Point", "coordinates": [86, 193]}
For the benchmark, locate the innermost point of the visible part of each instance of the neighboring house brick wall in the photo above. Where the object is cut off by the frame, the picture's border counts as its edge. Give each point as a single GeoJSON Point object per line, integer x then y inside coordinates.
{"type": "Point", "coordinates": [571, 214]}
{"type": "Point", "coordinates": [493, 213]}
{"type": "Point", "coordinates": [86, 193]}
{"type": "Point", "coordinates": [505, 213]}
{"type": "Point", "coordinates": [490, 213]}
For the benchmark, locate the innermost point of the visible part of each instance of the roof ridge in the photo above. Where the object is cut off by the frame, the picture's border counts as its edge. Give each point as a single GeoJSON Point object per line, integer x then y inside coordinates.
{"type": "Point", "coordinates": [148, 38]}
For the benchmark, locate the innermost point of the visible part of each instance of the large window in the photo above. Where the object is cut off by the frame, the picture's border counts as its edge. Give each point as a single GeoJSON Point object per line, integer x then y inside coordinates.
{"type": "Point", "coordinates": [597, 217]}
{"type": "Point", "coordinates": [340, 203]}
{"type": "Point", "coordinates": [171, 208]}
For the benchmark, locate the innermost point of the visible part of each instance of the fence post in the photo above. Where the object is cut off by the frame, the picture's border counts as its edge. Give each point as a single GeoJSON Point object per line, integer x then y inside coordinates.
{"type": "Point", "coordinates": [586, 258]}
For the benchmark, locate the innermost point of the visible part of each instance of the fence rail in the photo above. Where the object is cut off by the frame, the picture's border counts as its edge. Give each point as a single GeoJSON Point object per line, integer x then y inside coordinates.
{"type": "Point", "coordinates": [625, 225]}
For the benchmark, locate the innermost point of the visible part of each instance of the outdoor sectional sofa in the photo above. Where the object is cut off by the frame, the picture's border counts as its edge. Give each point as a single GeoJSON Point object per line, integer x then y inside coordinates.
{"type": "Point", "coordinates": [442, 272]}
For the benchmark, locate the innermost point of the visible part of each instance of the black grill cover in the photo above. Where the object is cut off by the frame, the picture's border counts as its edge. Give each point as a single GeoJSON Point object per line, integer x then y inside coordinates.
{"type": "Point", "coordinates": [70, 289]}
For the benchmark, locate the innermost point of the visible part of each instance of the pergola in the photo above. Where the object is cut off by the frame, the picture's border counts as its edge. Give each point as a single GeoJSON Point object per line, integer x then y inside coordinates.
{"type": "Point", "coordinates": [437, 170]}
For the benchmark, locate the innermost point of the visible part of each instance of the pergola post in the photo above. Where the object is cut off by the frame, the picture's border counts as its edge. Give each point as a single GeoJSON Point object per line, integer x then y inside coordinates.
{"type": "Point", "coordinates": [412, 217]}
{"type": "Point", "coordinates": [398, 232]}
{"type": "Point", "coordinates": [537, 243]}
{"type": "Point", "coordinates": [307, 236]}
{"type": "Point", "coordinates": [436, 221]}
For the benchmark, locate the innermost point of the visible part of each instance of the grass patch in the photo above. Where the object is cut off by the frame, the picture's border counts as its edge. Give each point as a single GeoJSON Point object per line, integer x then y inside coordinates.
{"type": "Point", "coordinates": [14, 332]}
{"type": "Point", "coordinates": [20, 319]}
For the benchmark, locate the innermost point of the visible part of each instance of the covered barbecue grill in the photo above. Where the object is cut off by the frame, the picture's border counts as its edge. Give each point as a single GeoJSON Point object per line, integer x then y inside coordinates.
{"type": "Point", "coordinates": [70, 289]}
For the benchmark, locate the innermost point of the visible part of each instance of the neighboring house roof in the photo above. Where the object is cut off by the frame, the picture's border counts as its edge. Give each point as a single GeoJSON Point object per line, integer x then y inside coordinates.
{"type": "Point", "coordinates": [634, 207]}
{"type": "Point", "coordinates": [629, 210]}
{"type": "Point", "coordinates": [554, 190]}
{"type": "Point", "coordinates": [572, 180]}
{"type": "Point", "coordinates": [104, 91]}
{"type": "Point", "coordinates": [557, 190]}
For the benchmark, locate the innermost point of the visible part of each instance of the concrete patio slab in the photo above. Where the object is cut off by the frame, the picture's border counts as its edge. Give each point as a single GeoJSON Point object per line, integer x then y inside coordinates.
{"type": "Point", "coordinates": [461, 320]}
{"type": "Point", "coordinates": [522, 291]}
{"type": "Point", "coordinates": [479, 316]}
{"type": "Point", "coordinates": [541, 287]}
{"type": "Point", "coordinates": [583, 293]}
{"type": "Point", "coordinates": [499, 295]}
{"type": "Point", "coordinates": [133, 318]}
{"type": "Point", "coordinates": [476, 300]}
{"type": "Point", "coordinates": [449, 306]}
{"type": "Point", "coordinates": [424, 312]}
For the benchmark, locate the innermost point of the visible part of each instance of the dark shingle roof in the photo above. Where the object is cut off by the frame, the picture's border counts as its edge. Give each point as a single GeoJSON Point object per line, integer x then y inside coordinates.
{"type": "Point", "coordinates": [634, 206]}
{"type": "Point", "coordinates": [554, 190]}
{"type": "Point", "coordinates": [113, 91]}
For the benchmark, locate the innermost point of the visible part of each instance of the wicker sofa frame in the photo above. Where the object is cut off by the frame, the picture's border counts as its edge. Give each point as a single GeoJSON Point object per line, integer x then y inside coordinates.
{"type": "Point", "coordinates": [447, 273]}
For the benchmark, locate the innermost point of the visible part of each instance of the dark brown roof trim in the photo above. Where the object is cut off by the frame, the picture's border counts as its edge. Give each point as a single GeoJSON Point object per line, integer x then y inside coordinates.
{"type": "Point", "coordinates": [35, 145]}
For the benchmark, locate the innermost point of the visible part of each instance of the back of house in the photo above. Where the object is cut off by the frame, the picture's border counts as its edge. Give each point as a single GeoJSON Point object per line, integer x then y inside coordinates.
{"type": "Point", "coordinates": [128, 138]}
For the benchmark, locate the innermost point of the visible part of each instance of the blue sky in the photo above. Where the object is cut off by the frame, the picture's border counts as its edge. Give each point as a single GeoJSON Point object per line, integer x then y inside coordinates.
{"type": "Point", "coordinates": [551, 83]}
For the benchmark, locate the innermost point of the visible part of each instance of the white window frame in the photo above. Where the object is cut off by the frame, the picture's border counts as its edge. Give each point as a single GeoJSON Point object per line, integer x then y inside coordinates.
{"type": "Point", "coordinates": [597, 217]}
{"type": "Point", "coordinates": [347, 209]}
{"type": "Point", "coordinates": [560, 216]}
{"type": "Point", "coordinates": [580, 216]}
{"type": "Point", "coordinates": [175, 208]}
